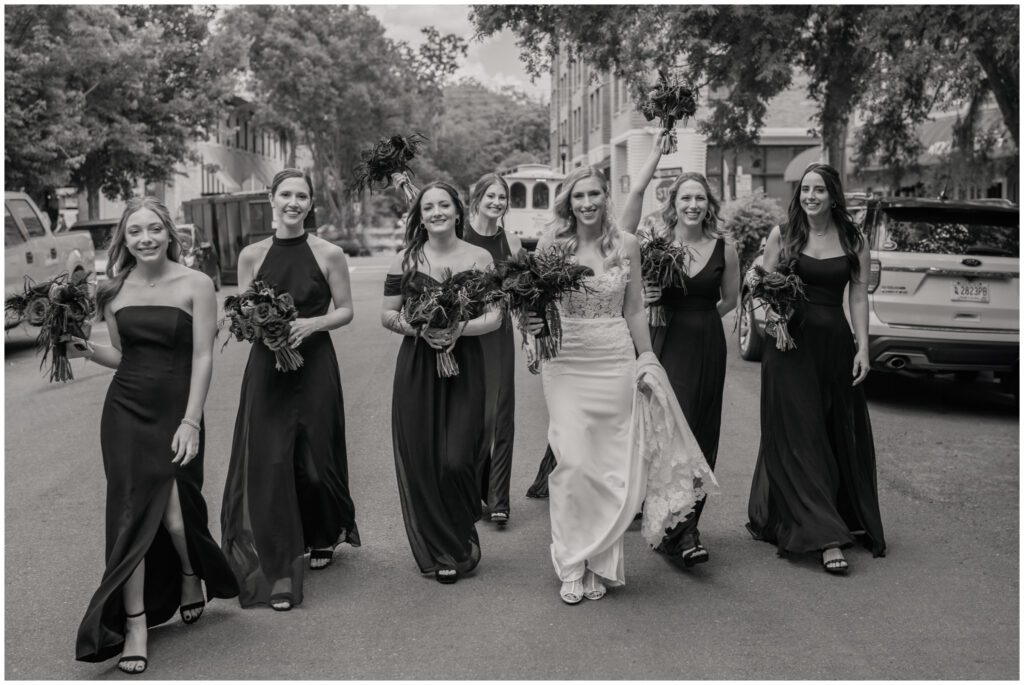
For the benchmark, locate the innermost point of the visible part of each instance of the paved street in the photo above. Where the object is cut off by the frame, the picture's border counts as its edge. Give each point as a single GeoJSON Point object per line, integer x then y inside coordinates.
{"type": "Point", "coordinates": [943, 604]}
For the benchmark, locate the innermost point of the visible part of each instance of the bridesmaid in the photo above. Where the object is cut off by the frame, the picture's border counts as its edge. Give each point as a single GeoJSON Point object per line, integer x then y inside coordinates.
{"type": "Point", "coordinates": [287, 489]}
{"type": "Point", "coordinates": [487, 206]}
{"type": "Point", "coordinates": [437, 424]}
{"type": "Point", "coordinates": [161, 317]}
{"type": "Point", "coordinates": [691, 344]}
{"type": "Point", "coordinates": [814, 487]}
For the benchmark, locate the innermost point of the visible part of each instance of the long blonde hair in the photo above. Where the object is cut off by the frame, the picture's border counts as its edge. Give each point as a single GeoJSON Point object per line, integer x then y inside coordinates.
{"type": "Point", "coordinates": [564, 222]}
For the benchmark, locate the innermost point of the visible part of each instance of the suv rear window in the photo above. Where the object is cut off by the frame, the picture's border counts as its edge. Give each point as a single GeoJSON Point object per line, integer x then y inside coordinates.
{"type": "Point", "coordinates": [961, 231]}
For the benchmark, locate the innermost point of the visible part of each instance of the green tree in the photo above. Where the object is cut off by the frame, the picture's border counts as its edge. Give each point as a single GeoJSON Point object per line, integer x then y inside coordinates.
{"type": "Point", "coordinates": [99, 97]}
{"type": "Point", "coordinates": [329, 77]}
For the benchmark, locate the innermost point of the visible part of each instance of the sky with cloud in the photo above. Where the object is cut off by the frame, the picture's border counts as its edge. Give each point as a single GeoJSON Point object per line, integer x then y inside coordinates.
{"type": "Point", "coordinates": [494, 61]}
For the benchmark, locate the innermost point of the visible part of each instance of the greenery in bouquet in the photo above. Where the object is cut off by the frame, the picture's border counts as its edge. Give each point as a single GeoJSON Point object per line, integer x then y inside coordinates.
{"type": "Point", "coordinates": [59, 307]}
{"type": "Point", "coordinates": [663, 263]}
{"type": "Point", "coordinates": [444, 305]}
{"type": "Point", "coordinates": [778, 291]}
{"type": "Point", "coordinates": [388, 156]}
{"type": "Point", "coordinates": [262, 314]}
{"type": "Point", "coordinates": [669, 100]}
{"type": "Point", "coordinates": [532, 283]}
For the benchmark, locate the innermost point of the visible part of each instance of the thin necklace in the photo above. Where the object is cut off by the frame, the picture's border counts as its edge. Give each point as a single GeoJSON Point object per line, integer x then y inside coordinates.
{"type": "Point", "coordinates": [823, 231]}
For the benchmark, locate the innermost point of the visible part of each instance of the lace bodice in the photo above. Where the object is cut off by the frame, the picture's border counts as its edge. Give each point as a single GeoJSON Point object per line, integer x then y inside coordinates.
{"type": "Point", "coordinates": [607, 293]}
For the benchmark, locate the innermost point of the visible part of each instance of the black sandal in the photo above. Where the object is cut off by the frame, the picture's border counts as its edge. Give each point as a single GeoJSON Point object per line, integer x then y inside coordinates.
{"type": "Point", "coordinates": [125, 659]}
{"type": "Point", "coordinates": [446, 576]}
{"type": "Point", "coordinates": [283, 599]}
{"type": "Point", "coordinates": [318, 555]}
{"type": "Point", "coordinates": [192, 607]}
{"type": "Point", "coordinates": [693, 556]}
{"type": "Point", "coordinates": [837, 567]}
{"type": "Point", "coordinates": [500, 518]}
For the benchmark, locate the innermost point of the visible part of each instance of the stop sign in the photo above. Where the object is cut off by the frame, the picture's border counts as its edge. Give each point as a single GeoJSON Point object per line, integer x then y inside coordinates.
{"type": "Point", "coordinates": [661, 190]}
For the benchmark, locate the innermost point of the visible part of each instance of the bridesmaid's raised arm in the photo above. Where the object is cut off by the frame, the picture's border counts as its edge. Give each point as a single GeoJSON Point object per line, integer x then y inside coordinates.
{"type": "Point", "coordinates": [635, 199]}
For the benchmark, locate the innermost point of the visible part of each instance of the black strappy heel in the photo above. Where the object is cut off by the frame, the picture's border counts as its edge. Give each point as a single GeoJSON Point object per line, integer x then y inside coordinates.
{"type": "Point", "coordinates": [192, 607]}
{"type": "Point", "coordinates": [319, 555]}
{"type": "Point", "coordinates": [127, 659]}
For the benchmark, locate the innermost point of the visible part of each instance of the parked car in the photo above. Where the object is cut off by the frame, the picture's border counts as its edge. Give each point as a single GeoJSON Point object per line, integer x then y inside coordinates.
{"type": "Point", "coordinates": [353, 246]}
{"type": "Point", "coordinates": [943, 289]}
{"type": "Point", "coordinates": [31, 249]}
{"type": "Point", "coordinates": [198, 252]}
{"type": "Point", "coordinates": [100, 230]}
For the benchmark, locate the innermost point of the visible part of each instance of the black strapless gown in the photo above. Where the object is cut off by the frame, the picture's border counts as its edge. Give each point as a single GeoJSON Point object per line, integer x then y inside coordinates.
{"type": "Point", "coordinates": [437, 426]}
{"type": "Point", "coordinates": [691, 348]}
{"type": "Point", "coordinates": [814, 485]}
{"type": "Point", "coordinates": [499, 423]}
{"type": "Point", "coordinates": [287, 487]}
{"type": "Point", "coordinates": [145, 402]}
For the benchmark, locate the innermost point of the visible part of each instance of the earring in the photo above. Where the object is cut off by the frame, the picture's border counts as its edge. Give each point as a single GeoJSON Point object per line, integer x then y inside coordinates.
{"type": "Point", "coordinates": [833, 205]}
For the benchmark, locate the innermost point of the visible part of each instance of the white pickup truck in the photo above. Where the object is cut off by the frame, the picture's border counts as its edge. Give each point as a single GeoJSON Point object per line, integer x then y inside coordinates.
{"type": "Point", "coordinates": [31, 249]}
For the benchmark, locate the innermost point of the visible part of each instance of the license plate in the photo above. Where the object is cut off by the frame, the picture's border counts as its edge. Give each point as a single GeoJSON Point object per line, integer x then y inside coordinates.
{"type": "Point", "coordinates": [969, 291]}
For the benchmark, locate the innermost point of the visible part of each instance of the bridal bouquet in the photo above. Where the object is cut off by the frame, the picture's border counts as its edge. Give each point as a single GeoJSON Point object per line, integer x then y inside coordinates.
{"type": "Point", "coordinates": [60, 307]}
{"type": "Point", "coordinates": [669, 100]}
{"type": "Point", "coordinates": [388, 156]}
{"type": "Point", "coordinates": [260, 313]}
{"type": "Point", "coordinates": [532, 283]}
{"type": "Point", "coordinates": [663, 263]}
{"type": "Point", "coordinates": [445, 305]}
{"type": "Point", "coordinates": [780, 291]}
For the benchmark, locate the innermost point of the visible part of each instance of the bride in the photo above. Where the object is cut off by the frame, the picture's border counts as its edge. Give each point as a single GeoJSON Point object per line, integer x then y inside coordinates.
{"type": "Point", "coordinates": [602, 421]}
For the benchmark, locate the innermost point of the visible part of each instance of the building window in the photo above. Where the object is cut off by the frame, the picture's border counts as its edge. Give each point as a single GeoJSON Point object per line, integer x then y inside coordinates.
{"type": "Point", "coordinates": [517, 196]}
{"type": "Point", "coordinates": [540, 195]}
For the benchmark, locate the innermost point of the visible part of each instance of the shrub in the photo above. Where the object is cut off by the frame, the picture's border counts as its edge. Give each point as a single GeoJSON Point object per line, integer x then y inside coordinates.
{"type": "Point", "coordinates": [750, 219]}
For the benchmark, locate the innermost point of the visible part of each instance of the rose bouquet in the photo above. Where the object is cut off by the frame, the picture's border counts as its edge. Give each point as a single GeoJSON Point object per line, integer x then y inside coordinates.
{"type": "Point", "coordinates": [445, 305]}
{"type": "Point", "coordinates": [532, 283]}
{"type": "Point", "coordinates": [663, 263]}
{"type": "Point", "coordinates": [260, 313]}
{"type": "Point", "coordinates": [388, 156]}
{"type": "Point", "coordinates": [780, 291]}
{"type": "Point", "coordinates": [669, 100]}
{"type": "Point", "coordinates": [60, 307]}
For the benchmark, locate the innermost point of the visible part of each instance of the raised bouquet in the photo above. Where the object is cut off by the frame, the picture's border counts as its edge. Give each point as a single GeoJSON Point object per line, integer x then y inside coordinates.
{"type": "Point", "coordinates": [447, 304]}
{"type": "Point", "coordinates": [387, 157]}
{"type": "Point", "coordinates": [669, 100]}
{"type": "Point", "coordinates": [532, 283]}
{"type": "Point", "coordinates": [60, 307]}
{"type": "Point", "coordinates": [663, 263]}
{"type": "Point", "coordinates": [262, 314]}
{"type": "Point", "coordinates": [779, 291]}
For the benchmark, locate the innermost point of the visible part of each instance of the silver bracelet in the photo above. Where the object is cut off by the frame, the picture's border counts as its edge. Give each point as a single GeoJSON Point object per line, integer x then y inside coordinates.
{"type": "Point", "coordinates": [189, 422]}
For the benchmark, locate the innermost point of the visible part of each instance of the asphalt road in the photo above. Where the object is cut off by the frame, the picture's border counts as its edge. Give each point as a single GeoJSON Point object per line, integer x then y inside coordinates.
{"type": "Point", "coordinates": [944, 603]}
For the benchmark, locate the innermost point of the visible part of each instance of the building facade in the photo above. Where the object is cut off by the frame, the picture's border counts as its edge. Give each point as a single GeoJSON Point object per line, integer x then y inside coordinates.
{"type": "Point", "coordinates": [594, 121]}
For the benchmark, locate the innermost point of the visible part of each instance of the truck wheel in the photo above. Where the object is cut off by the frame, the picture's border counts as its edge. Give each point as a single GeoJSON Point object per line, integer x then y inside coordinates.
{"type": "Point", "coordinates": [751, 342]}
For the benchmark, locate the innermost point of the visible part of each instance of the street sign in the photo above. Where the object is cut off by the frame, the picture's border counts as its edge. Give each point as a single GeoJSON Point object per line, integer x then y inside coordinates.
{"type": "Point", "coordinates": [661, 190]}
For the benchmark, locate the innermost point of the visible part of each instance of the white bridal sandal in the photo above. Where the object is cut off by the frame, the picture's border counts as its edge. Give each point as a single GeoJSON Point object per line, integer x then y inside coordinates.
{"type": "Point", "coordinates": [593, 588]}
{"type": "Point", "coordinates": [572, 591]}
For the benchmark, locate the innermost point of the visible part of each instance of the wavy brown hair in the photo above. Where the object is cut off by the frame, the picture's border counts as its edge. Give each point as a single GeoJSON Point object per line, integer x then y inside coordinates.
{"type": "Point", "coordinates": [416, 232]}
{"type": "Point", "coordinates": [480, 187]}
{"type": "Point", "coordinates": [710, 226]}
{"type": "Point", "coordinates": [797, 229]}
{"type": "Point", "coordinates": [120, 261]}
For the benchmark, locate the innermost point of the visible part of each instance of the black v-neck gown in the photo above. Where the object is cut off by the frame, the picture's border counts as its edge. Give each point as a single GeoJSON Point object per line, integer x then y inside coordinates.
{"type": "Point", "coordinates": [437, 427]}
{"type": "Point", "coordinates": [287, 489]}
{"type": "Point", "coordinates": [143, 408]}
{"type": "Point", "coordinates": [814, 484]}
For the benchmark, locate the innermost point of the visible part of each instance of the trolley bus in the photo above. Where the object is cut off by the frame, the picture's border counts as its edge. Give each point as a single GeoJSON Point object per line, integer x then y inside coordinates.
{"type": "Point", "coordinates": [532, 189]}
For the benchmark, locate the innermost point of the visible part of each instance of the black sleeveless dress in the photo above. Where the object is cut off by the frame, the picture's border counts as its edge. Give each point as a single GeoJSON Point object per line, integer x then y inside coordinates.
{"type": "Point", "coordinates": [437, 427]}
{"type": "Point", "coordinates": [144, 406]}
{"type": "Point", "coordinates": [814, 485]}
{"type": "Point", "coordinates": [691, 348]}
{"type": "Point", "coordinates": [287, 487]}
{"type": "Point", "coordinates": [499, 423]}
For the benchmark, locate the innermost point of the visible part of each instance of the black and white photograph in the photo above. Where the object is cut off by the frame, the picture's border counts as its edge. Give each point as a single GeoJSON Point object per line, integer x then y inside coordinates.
{"type": "Point", "coordinates": [565, 342]}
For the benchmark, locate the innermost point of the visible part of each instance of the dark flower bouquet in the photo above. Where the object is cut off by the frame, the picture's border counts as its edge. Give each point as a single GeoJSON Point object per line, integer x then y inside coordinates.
{"type": "Point", "coordinates": [663, 263]}
{"type": "Point", "coordinates": [780, 291]}
{"type": "Point", "coordinates": [388, 156]}
{"type": "Point", "coordinates": [532, 282]}
{"type": "Point", "coordinates": [260, 313]}
{"type": "Point", "coordinates": [444, 305]}
{"type": "Point", "coordinates": [60, 307]}
{"type": "Point", "coordinates": [670, 101]}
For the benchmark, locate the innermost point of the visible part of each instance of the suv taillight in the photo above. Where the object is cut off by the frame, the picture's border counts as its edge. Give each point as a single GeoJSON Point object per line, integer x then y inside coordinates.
{"type": "Point", "coordinates": [875, 275]}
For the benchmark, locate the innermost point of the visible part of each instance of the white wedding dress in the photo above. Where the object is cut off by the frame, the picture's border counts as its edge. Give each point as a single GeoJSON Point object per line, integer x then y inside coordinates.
{"type": "Point", "coordinates": [608, 438]}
